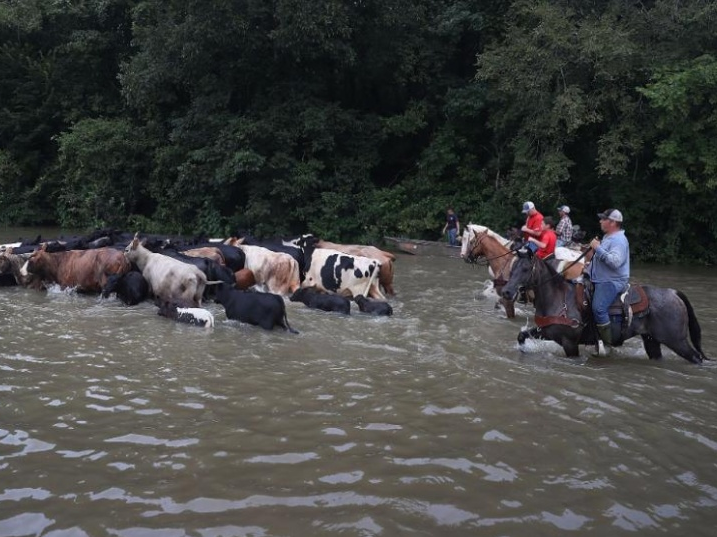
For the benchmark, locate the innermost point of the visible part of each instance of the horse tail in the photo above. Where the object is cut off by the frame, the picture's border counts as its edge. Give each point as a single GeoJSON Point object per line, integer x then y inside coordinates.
{"type": "Point", "coordinates": [694, 325]}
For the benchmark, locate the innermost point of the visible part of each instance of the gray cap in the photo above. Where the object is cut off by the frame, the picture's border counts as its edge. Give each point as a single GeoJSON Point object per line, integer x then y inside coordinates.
{"type": "Point", "coordinates": [527, 206]}
{"type": "Point", "coordinates": [564, 209]}
{"type": "Point", "coordinates": [610, 214]}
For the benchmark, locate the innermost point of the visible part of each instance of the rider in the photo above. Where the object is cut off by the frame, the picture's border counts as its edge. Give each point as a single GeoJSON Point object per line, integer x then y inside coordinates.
{"type": "Point", "coordinates": [533, 226]}
{"type": "Point", "coordinates": [546, 241]}
{"type": "Point", "coordinates": [564, 229]}
{"type": "Point", "coordinates": [609, 269]}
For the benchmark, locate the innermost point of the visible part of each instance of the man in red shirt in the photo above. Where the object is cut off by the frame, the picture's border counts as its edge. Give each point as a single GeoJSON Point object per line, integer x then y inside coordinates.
{"type": "Point", "coordinates": [533, 224]}
{"type": "Point", "coordinates": [546, 241]}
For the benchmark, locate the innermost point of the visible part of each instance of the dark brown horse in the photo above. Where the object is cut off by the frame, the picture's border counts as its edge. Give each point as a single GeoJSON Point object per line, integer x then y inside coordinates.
{"type": "Point", "coordinates": [500, 260]}
{"type": "Point", "coordinates": [669, 320]}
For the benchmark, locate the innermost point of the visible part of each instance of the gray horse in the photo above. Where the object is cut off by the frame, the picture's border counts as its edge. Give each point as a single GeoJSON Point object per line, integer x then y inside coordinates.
{"type": "Point", "coordinates": [670, 319]}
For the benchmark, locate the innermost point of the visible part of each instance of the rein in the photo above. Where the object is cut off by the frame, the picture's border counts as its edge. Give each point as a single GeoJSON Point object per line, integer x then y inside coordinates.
{"type": "Point", "coordinates": [562, 318]}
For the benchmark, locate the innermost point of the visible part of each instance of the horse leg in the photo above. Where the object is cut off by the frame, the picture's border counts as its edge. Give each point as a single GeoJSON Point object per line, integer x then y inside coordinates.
{"type": "Point", "coordinates": [683, 348]}
{"type": "Point", "coordinates": [509, 306]}
{"type": "Point", "coordinates": [570, 347]}
{"type": "Point", "coordinates": [533, 333]}
{"type": "Point", "coordinates": [652, 347]}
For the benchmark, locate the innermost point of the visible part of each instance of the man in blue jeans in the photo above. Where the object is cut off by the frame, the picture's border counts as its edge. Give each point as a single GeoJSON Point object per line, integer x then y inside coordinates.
{"type": "Point", "coordinates": [453, 226]}
{"type": "Point", "coordinates": [609, 269]}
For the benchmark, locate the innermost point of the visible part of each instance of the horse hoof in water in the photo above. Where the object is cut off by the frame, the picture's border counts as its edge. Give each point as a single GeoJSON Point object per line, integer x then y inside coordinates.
{"type": "Point", "coordinates": [522, 337]}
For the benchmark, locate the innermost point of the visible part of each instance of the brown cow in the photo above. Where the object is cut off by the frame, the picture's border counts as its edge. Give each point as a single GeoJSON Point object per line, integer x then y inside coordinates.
{"type": "Point", "coordinates": [385, 273]}
{"type": "Point", "coordinates": [87, 270]}
{"type": "Point", "coordinates": [244, 278]}
{"type": "Point", "coordinates": [207, 251]}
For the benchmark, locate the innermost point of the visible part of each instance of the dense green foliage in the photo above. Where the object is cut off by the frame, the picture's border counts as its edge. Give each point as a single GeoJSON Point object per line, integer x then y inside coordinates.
{"type": "Point", "coordinates": [358, 119]}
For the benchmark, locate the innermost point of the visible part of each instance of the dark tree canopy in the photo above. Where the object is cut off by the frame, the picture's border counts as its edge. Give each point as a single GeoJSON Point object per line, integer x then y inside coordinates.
{"type": "Point", "coordinates": [354, 120]}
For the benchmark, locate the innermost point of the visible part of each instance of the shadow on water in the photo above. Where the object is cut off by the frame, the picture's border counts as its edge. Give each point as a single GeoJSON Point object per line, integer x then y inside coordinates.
{"type": "Point", "coordinates": [116, 421]}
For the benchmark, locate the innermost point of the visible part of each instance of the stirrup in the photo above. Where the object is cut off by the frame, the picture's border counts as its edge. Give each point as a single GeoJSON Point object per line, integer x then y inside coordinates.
{"type": "Point", "coordinates": [601, 349]}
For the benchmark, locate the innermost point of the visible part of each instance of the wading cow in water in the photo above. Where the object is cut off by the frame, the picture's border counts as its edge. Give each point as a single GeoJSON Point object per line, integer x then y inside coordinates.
{"type": "Point", "coordinates": [169, 279]}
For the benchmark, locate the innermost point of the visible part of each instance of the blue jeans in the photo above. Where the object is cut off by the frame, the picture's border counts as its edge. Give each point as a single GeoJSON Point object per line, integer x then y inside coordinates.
{"type": "Point", "coordinates": [603, 295]}
{"type": "Point", "coordinates": [531, 246]}
{"type": "Point", "coordinates": [559, 243]}
{"type": "Point", "coordinates": [452, 233]}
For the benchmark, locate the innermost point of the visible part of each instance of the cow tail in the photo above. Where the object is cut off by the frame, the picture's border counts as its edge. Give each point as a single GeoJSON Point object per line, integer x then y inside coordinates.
{"type": "Point", "coordinates": [372, 279]}
{"type": "Point", "coordinates": [694, 325]}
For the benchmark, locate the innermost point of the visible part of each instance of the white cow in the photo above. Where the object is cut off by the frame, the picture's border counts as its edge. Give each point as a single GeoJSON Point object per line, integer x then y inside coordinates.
{"type": "Point", "coordinates": [169, 279]}
{"type": "Point", "coordinates": [277, 272]}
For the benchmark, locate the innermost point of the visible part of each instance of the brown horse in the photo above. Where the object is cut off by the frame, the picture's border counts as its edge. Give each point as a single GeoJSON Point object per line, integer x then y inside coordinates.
{"type": "Point", "coordinates": [500, 260]}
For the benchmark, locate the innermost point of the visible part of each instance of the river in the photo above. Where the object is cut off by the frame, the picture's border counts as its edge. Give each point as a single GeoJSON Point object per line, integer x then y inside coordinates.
{"type": "Point", "coordinates": [115, 421]}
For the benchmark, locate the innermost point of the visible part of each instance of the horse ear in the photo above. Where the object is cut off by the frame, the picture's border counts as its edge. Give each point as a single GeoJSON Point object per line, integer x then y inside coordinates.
{"type": "Point", "coordinates": [43, 247]}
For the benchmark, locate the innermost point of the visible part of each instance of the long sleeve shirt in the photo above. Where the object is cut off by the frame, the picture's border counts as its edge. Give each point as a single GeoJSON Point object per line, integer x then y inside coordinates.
{"type": "Point", "coordinates": [611, 261]}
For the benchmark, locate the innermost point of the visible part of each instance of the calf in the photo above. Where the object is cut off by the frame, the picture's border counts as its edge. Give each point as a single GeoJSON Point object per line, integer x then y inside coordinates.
{"type": "Point", "coordinates": [194, 316]}
{"type": "Point", "coordinates": [244, 279]}
{"type": "Point", "coordinates": [321, 301]}
{"type": "Point", "coordinates": [374, 307]}
{"type": "Point", "coordinates": [131, 288]}
{"type": "Point", "coordinates": [260, 309]}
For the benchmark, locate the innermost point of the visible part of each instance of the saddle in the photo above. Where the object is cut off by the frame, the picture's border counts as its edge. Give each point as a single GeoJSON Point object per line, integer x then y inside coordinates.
{"type": "Point", "coordinates": [634, 301]}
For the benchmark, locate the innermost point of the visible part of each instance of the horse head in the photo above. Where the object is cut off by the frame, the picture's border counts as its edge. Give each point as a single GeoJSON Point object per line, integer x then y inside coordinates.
{"type": "Point", "coordinates": [522, 273]}
{"type": "Point", "coordinates": [476, 248]}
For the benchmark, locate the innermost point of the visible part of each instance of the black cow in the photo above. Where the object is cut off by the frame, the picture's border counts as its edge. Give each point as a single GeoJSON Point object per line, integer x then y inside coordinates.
{"type": "Point", "coordinates": [321, 301]}
{"type": "Point", "coordinates": [260, 309]}
{"type": "Point", "coordinates": [374, 307]}
{"type": "Point", "coordinates": [131, 288]}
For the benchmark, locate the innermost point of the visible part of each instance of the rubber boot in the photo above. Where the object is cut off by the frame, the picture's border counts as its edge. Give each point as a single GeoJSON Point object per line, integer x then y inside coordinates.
{"type": "Point", "coordinates": [604, 345]}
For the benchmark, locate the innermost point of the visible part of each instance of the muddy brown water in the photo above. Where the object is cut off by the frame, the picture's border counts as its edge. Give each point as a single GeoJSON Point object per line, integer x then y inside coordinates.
{"type": "Point", "coordinates": [115, 421]}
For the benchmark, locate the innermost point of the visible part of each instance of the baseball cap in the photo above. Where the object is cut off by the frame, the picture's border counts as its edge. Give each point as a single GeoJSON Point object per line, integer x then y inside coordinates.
{"type": "Point", "coordinates": [564, 208]}
{"type": "Point", "coordinates": [528, 205]}
{"type": "Point", "coordinates": [610, 214]}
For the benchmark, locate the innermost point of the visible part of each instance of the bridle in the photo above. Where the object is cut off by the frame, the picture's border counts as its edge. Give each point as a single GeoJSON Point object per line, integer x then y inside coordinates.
{"type": "Point", "coordinates": [499, 279]}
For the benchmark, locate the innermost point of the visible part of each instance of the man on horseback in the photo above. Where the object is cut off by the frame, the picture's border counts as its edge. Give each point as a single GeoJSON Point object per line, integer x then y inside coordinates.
{"type": "Point", "coordinates": [533, 226]}
{"type": "Point", "coordinates": [564, 229]}
{"type": "Point", "coordinates": [609, 269]}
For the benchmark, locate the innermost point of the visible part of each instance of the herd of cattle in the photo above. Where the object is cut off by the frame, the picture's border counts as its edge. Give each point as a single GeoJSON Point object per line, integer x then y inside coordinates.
{"type": "Point", "coordinates": [250, 278]}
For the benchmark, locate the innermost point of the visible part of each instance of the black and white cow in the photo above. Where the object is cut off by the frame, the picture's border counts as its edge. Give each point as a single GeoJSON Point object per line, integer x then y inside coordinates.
{"type": "Point", "coordinates": [374, 307]}
{"type": "Point", "coordinates": [321, 301]}
{"type": "Point", "coordinates": [260, 309]}
{"type": "Point", "coordinates": [194, 316]}
{"type": "Point", "coordinates": [333, 271]}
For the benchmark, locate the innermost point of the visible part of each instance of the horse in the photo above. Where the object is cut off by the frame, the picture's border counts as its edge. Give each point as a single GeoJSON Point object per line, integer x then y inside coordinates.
{"type": "Point", "coordinates": [666, 318]}
{"type": "Point", "coordinates": [500, 260]}
{"type": "Point", "coordinates": [469, 232]}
